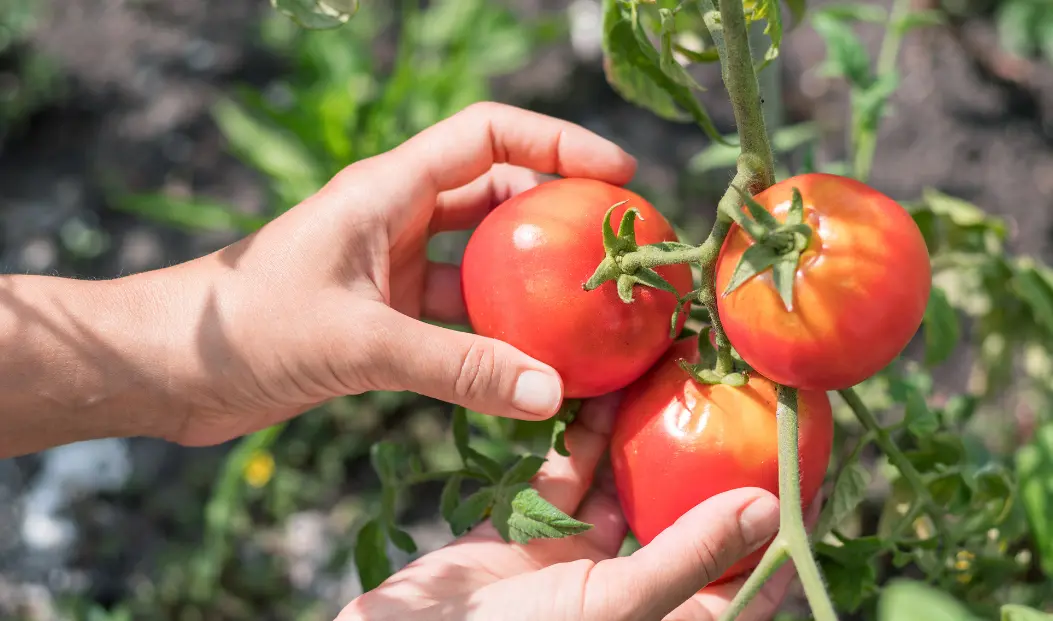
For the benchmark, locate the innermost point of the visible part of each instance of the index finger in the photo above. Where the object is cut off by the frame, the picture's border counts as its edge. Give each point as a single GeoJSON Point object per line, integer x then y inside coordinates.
{"type": "Point", "coordinates": [465, 146]}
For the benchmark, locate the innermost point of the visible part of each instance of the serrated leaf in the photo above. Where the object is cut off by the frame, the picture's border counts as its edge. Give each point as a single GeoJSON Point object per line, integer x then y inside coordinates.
{"type": "Point", "coordinates": [533, 517]}
{"type": "Point", "coordinates": [907, 600]}
{"type": "Point", "coordinates": [849, 491]}
{"type": "Point", "coordinates": [316, 15]}
{"type": "Point", "coordinates": [846, 56]}
{"type": "Point", "coordinates": [1034, 470]}
{"type": "Point", "coordinates": [633, 69]}
{"type": "Point", "coordinates": [371, 555]}
{"type": "Point", "coordinates": [451, 496]}
{"type": "Point", "coordinates": [784, 274]}
{"type": "Point", "coordinates": [921, 421]}
{"type": "Point", "coordinates": [523, 470]}
{"type": "Point", "coordinates": [941, 326]}
{"type": "Point", "coordinates": [1019, 612]}
{"type": "Point", "coordinates": [755, 260]}
{"type": "Point", "coordinates": [918, 19]}
{"type": "Point", "coordinates": [402, 540]}
{"type": "Point", "coordinates": [471, 511]}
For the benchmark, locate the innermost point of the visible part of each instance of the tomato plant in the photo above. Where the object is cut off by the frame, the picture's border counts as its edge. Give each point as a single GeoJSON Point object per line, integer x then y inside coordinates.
{"type": "Point", "coordinates": [678, 442]}
{"type": "Point", "coordinates": [522, 277]}
{"type": "Point", "coordinates": [860, 291]}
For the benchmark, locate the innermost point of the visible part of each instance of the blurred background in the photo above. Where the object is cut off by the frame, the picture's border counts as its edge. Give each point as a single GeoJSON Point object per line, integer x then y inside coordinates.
{"type": "Point", "coordinates": [139, 133]}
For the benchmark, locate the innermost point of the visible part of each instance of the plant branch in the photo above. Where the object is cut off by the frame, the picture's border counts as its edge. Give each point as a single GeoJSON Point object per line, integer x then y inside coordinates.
{"type": "Point", "coordinates": [923, 498]}
{"type": "Point", "coordinates": [774, 558]}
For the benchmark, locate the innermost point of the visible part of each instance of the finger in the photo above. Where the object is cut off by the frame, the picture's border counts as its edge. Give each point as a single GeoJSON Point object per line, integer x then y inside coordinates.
{"type": "Point", "coordinates": [443, 300]}
{"type": "Point", "coordinates": [602, 509]}
{"type": "Point", "coordinates": [712, 602]}
{"type": "Point", "coordinates": [564, 481]}
{"type": "Point", "coordinates": [482, 374]}
{"type": "Point", "coordinates": [452, 153]}
{"type": "Point", "coordinates": [465, 207]}
{"type": "Point", "coordinates": [685, 557]}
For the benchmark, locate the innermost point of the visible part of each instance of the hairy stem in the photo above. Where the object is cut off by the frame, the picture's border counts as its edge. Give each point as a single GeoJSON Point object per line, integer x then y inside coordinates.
{"type": "Point", "coordinates": [791, 524]}
{"type": "Point", "coordinates": [774, 558]}
{"type": "Point", "coordinates": [866, 143]}
{"type": "Point", "coordinates": [906, 469]}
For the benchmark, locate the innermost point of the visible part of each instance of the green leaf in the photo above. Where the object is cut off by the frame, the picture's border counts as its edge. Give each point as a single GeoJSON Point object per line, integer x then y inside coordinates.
{"type": "Point", "coordinates": [192, 214]}
{"type": "Point", "coordinates": [783, 140]}
{"type": "Point", "coordinates": [566, 415]}
{"type": "Point", "coordinates": [523, 470]}
{"type": "Point", "coordinates": [920, 420]}
{"type": "Point", "coordinates": [755, 260]}
{"type": "Point", "coordinates": [858, 12]}
{"type": "Point", "coordinates": [402, 540]}
{"type": "Point", "coordinates": [940, 448]}
{"type": "Point", "coordinates": [371, 555]}
{"type": "Point", "coordinates": [490, 468]}
{"type": "Point", "coordinates": [869, 102]}
{"type": "Point", "coordinates": [849, 571]}
{"type": "Point", "coordinates": [770, 11]}
{"type": "Point", "coordinates": [315, 14]}
{"type": "Point", "coordinates": [1019, 612]}
{"type": "Point", "coordinates": [846, 55]}
{"type": "Point", "coordinates": [667, 60]}
{"type": "Point", "coordinates": [918, 19]}
{"type": "Point", "coordinates": [451, 497]}
{"type": "Point", "coordinates": [906, 600]}
{"type": "Point", "coordinates": [533, 517]}
{"type": "Point", "coordinates": [1034, 471]}
{"type": "Point", "coordinates": [849, 491]}
{"type": "Point", "coordinates": [941, 328]}
{"type": "Point", "coordinates": [387, 459]}
{"type": "Point", "coordinates": [784, 274]}
{"type": "Point", "coordinates": [471, 511]}
{"type": "Point", "coordinates": [1036, 289]}
{"type": "Point", "coordinates": [460, 432]}
{"type": "Point", "coordinates": [633, 68]}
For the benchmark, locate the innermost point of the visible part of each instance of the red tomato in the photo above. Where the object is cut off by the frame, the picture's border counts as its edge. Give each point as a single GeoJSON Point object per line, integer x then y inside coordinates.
{"type": "Point", "coordinates": [522, 278]}
{"type": "Point", "coordinates": [859, 296]}
{"type": "Point", "coordinates": [677, 442]}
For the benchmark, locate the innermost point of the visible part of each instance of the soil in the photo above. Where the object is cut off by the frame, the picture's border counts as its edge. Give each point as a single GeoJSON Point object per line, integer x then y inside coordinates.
{"type": "Point", "coordinates": [141, 77]}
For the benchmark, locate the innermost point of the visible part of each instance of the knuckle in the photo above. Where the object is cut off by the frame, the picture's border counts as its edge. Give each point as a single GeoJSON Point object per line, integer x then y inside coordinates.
{"type": "Point", "coordinates": [478, 370]}
{"type": "Point", "coordinates": [709, 561]}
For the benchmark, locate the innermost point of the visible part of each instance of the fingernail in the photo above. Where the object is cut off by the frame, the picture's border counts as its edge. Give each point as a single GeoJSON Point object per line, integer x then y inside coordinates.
{"type": "Point", "coordinates": [538, 393]}
{"type": "Point", "coordinates": [759, 520]}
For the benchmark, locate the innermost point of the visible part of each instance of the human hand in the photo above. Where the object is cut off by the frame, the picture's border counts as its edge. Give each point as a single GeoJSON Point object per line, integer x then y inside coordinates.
{"type": "Point", "coordinates": [579, 578]}
{"type": "Point", "coordinates": [326, 300]}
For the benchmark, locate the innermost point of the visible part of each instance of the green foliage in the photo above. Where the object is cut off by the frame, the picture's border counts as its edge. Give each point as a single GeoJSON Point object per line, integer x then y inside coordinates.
{"type": "Point", "coordinates": [32, 80]}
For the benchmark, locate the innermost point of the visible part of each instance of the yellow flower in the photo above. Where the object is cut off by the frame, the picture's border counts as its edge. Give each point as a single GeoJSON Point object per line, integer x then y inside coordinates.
{"type": "Point", "coordinates": [259, 469]}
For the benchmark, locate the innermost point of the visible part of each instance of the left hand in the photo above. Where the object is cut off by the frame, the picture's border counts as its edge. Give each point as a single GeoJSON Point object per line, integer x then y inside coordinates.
{"type": "Point", "coordinates": [326, 300]}
{"type": "Point", "coordinates": [580, 578]}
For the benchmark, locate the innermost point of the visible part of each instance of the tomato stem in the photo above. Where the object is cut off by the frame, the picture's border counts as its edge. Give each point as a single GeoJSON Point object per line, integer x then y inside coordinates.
{"type": "Point", "coordinates": [922, 497]}
{"type": "Point", "coordinates": [775, 557]}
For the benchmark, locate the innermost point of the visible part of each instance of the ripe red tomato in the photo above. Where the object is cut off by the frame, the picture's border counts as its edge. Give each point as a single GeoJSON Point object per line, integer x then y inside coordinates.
{"type": "Point", "coordinates": [522, 277]}
{"type": "Point", "coordinates": [859, 295]}
{"type": "Point", "coordinates": [677, 442]}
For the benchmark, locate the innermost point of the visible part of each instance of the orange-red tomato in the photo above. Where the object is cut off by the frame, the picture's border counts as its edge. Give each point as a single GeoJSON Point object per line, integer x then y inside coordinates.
{"type": "Point", "coordinates": [860, 290]}
{"type": "Point", "coordinates": [522, 277]}
{"type": "Point", "coordinates": [677, 442]}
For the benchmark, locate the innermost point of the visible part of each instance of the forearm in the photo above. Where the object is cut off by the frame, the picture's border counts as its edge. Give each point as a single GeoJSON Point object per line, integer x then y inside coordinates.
{"type": "Point", "coordinates": [80, 360]}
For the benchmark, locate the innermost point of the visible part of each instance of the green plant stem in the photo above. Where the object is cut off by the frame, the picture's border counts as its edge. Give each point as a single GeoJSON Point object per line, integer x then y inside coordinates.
{"type": "Point", "coordinates": [775, 557]}
{"type": "Point", "coordinates": [923, 499]}
{"type": "Point", "coordinates": [866, 143]}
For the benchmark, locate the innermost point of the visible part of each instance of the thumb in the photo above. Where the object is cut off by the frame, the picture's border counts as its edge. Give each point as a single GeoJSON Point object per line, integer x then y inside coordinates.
{"type": "Point", "coordinates": [696, 550]}
{"type": "Point", "coordinates": [479, 373]}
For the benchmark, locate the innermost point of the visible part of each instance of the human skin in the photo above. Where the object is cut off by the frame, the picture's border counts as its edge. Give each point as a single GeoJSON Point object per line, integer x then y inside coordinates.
{"type": "Point", "coordinates": [328, 300]}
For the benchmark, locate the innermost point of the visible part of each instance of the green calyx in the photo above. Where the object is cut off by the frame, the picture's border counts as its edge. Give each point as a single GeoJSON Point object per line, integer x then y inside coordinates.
{"type": "Point", "coordinates": [775, 246]}
{"type": "Point", "coordinates": [630, 264]}
{"type": "Point", "coordinates": [706, 370]}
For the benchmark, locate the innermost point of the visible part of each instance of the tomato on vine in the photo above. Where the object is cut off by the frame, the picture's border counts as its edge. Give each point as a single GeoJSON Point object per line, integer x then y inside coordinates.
{"type": "Point", "coordinates": [523, 274]}
{"type": "Point", "coordinates": [677, 442]}
{"type": "Point", "coordinates": [859, 290]}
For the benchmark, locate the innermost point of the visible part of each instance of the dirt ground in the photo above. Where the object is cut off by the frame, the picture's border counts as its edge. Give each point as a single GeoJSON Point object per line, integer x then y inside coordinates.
{"type": "Point", "coordinates": [142, 76]}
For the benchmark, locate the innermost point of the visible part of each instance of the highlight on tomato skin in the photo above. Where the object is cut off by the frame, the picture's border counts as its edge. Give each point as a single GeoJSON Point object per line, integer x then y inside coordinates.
{"type": "Point", "coordinates": [677, 443]}
{"type": "Point", "coordinates": [860, 290]}
{"type": "Point", "coordinates": [522, 276]}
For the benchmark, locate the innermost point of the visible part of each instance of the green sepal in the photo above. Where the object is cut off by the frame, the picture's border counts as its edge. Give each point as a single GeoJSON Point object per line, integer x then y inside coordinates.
{"type": "Point", "coordinates": [796, 213]}
{"type": "Point", "coordinates": [643, 276]}
{"type": "Point", "coordinates": [680, 307]}
{"type": "Point", "coordinates": [608, 270]}
{"type": "Point", "coordinates": [611, 242]}
{"type": "Point", "coordinates": [783, 273]}
{"type": "Point", "coordinates": [759, 213]}
{"type": "Point", "coordinates": [734, 379]}
{"type": "Point", "coordinates": [627, 228]}
{"type": "Point", "coordinates": [755, 260]}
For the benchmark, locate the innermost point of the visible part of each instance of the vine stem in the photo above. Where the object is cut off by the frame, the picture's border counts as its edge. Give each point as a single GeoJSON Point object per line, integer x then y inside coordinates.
{"type": "Point", "coordinates": [923, 498]}
{"type": "Point", "coordinates": [792, 542]}
{"type": "Point", "coordinates": [866, 143]}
